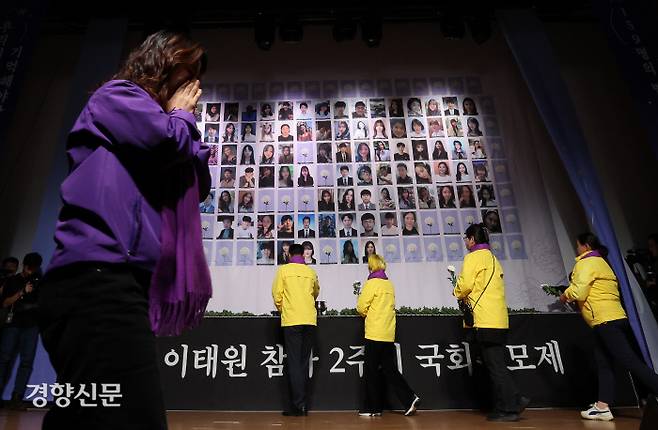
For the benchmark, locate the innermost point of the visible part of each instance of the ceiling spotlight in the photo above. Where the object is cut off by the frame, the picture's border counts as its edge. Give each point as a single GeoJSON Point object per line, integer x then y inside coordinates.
{"type": "Point", "coordinates": [264, 31]}
{"type": "Point", "coordinates": [452, 25]}
{"type": "Point", "coordinates": [371, 31]}
{"type": "Point", "coordinates": [344, 29]}
{"type": "Point", "coordinates": [291, 30]}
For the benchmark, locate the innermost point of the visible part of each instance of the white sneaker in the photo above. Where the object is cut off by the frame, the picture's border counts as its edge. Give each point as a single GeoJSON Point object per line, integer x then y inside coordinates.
{"type": "Point", "coordinates": [370, 414]}
{"type": "Point", "coordinates": [594, 413]}
{"type": "Point", "coordinates": [412, 409]}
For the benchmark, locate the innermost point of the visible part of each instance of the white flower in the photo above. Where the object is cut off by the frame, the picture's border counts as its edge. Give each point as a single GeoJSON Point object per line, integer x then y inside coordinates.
{"type": "Point", "coordinates": [325, 174]}
{"type": "Point", "coordinates": [453, 247]}
{"type": "Point", "coordinates": [390, 248]}
{"type": "Point", "coordinates": [470, 219]}
{"type": "Point", "coordinates": [429, 221]}
{"type": "Point", "coordinates": [495, 245]}
{"type": "Point", "coordinates": [327, 250]}
{"type": "Point", "coordinates": [505, 192]}
{"type": "Point", "coordinates": [511, 219]}
{"type": "Point", "coordinates": [412, 248]}
{"type": "Point", "coordinates": [285, 200]}
{"type": "Point", "coordinates": [306, 198]}
{"type": "Point", "coordinates": [500, 168]}
{"type": "Point", "coordinates": [266, 200]}
{"type": "Point", "coordinates": [223, 252]}
{"type": "Point", "coordinates": [205, 226]}
{"type": "Point", "coordinates": [305, 152]}
{"type": "Point", "coordinates": [244, 251]}
{"type": "Point", "coordinates": [516, 245]}
{"type": "Point", "coordinates": [432, 247]}
{"type": "Point", "coordinates": [451, 268]}
{"type": "Point", "coordinates": [450, 220]}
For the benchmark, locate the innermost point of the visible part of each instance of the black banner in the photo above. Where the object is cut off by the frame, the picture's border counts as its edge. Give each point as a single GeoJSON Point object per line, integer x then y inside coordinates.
{"type": "Point", "coordinates": [236, 363]}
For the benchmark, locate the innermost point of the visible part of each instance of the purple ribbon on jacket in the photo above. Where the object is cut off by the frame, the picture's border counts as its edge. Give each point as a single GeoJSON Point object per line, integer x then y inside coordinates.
{"type": "Point", "coordinates": [297, 259]}
{"type": "Point", "coordinates": [180, 286]}
{"type": "Point", "coordinates": [594, 253]}
{"type": "Point", "coordinates": [480, 246]}
{"type": "Point", "coordinates": [377, 274]}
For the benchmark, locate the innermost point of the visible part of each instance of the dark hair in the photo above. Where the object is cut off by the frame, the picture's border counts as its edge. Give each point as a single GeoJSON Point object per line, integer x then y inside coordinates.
{"type": "Point", "coordinates": [303, 104]}
{"type": "Point", "coordinates": [246, 218]}
{"type": "Point", "coordinates": [417, 121]}
{"type": "Point", "coordinates": [359, 103]}
{"type": "Point", "coordinates": [12, 260]}
{"type": "Point", "coordinates": [296, 249]}
{"type": "Point", "coordinates": [251, 159]}
{"type": "Point", "coordinates": [474, 106]}
{"type": "Point", "coordinates": [478, 232]}
{"type": "Point", "coordinates": [366, 216]}
{"type": "Point", "coordinates": [343, 167]}
{"type": "Point", "coordinates": [306, 218]}
{"type": "Point", "coordinates": [411, 100]}
{"type": "Point", "coordinates": [150, 65]}
{"type": "Point", "coordinates": [389, 215]}
{"type": "Point", "coordinates": [340, 103]}
{"type": "Point", "coordinates": [366, 192]}
{"type": "Point", "coordinates": [350, 216]}
{"type": "Point", "coordinates": [286, 218]}
{"type": "Point", "coordinates": [589, 238]}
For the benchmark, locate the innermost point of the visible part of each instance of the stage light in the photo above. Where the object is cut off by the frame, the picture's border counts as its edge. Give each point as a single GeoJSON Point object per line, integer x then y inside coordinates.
{"type": "Point", "coordinates": [344, 29]}
{"type": "Point", "coordinates": [264, 31]}
{"type": "Point", "coordinates": [452, 25]}
{"type": "Point", "coordinates": [371, 31]}
{"type": "Point", "coordinates": [291, 30]}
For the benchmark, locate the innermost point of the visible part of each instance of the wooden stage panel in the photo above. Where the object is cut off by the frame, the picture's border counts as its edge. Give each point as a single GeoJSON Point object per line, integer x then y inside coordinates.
{"type": "Point", "coordinates": [547, 419]}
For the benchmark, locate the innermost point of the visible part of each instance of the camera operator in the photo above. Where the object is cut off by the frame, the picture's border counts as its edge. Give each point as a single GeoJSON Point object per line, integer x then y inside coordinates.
{"type": "Point", "coordinates": [20, 332]}
{"type": "Point", "coordinates": [9, 268]}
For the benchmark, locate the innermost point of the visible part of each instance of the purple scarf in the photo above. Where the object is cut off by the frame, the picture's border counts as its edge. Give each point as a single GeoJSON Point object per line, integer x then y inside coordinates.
{"type": "Point", "coordinates": [480, 246]}
{"type": "Point", "coordinates": [180, 286]}
{"type": "Point", "coordinates": [594, 253]}
{"type": "Point", "coordinates": [297, 259]}
{"type": "Point", "coordinates": [377, 274]}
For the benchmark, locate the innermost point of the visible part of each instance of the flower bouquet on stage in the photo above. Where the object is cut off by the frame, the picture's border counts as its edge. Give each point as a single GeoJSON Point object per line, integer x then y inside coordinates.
{"type": "Point", "coordinates": [464, 304]}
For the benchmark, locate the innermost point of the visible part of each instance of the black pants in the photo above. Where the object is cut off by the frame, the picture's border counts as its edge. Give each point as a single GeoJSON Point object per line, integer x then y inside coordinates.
{"type": "Point", "coordinates": [491, 343]}
{"type": "Point", "coordinates": [298, 341]}
{"type": "Point", "coordinates": [381, 369]}
{"type": "Point", "coordinates": [95, 326]}
{"type": "Point", "coordinates": [615, 344]}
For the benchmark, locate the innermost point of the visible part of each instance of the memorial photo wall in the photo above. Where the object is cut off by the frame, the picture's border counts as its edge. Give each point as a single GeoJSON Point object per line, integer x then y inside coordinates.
{"type": "Point", "coordinates": [347, 177]}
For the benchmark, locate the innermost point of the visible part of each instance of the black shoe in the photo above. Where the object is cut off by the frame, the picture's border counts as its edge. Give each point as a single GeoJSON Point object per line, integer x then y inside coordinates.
{"type": "Point", "coordinates": [295, 413]}
{"type": "Point", "coordinates": [523, 403]}
{"type": "Point", "coordinates": [503, 417]}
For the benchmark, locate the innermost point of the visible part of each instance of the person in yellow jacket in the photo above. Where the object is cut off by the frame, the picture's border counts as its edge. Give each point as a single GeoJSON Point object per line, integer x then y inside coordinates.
{"type": "Point", "coordinates": [294, 291]}
{"type": "Point", "coordinates": [377, 304]}
{"type": "Point", "coordinates": [594, 287]}
{"type": "Point", "coordinates": [481, 284]}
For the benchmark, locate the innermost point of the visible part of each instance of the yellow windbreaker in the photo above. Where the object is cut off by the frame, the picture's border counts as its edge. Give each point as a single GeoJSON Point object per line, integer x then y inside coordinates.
{"type": "Point", "coordinates": [491, 309]}
{"type": "Point", "coordinates": [594, 286]}
{"type": "Point", "coordinates": [377, 304]}
{"type": "Point", "coordinates": [294, 291]}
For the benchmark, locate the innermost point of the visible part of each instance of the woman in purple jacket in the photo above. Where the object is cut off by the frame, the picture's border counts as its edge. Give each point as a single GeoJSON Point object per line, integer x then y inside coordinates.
{"type": "Point", "coordinates": [129, 260]}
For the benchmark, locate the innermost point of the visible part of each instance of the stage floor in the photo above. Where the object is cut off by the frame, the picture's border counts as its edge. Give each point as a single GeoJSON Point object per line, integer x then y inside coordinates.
{"type": "Point", "coordinates": [546, 419]}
